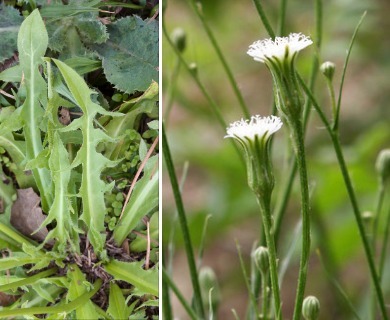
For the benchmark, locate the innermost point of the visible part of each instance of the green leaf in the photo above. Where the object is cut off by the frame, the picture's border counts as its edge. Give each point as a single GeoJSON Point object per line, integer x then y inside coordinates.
{"type": "Point", "coordinates": [143, 200]}
{"type": "Point", "coordinates": [72, 35]}
{"type": "Point", "coordinates": [130, 56]}
{"type": "Point", "coordinates": [13, 74]}
{"type": "Point", "coordinates": [117, 126]}
{"type": "Point", "coordinates": [117, 307]}
{"type": "Point", "coordinates": [78, 287]}
{"type": "Point", "coordinates": [83, 65]}
{"type": "Point", "coordinates": [10, 20]}
{"type": "Point", "coordinates": [32, 45]}
{"type": "Point", "coordinates": [92, 187]}
{"type": "Point", "coordinates": [132, 272]}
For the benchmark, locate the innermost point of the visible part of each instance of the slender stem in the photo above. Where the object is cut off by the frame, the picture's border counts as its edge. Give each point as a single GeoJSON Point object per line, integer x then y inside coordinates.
{"type": "Point", "coordinates": [171, 90]}
{"type": "Point", "coordinates": [301, 163]}
{"type": "Point", "coordinates": [198, 11]}
{"type": "Point", "coordinates": [281, 206]}
{"type": "Point", "coordinates": [165, 297]}
{"type": "Point", "coordinates": [351, 193]}
{"type": "Point", "coordinates": [359, 221]}
{"type": "Point", "coordinates": [378, 209]}
{"type": "Point", "coordinates": [213, 105]}
{"type": "Point", "coordinates": [252, 297]}
{"type": "Point", "coordinates": [264, 18]}
{"type": "Point", "coordinates": [269, 237]}
{"type": "Point", "coordinates": [168, 282]}
{"type": "Point", "coordinates": [384, 247]}
{"type": "Point", "coordinates": [282, 18]}
{"type": "Point", "coordinates": [184, 226]}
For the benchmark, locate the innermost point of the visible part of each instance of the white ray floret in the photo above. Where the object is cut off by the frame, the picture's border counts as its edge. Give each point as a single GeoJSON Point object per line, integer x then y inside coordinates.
{"type": "Point", "coordinates": [256, 126]}
{"type": "Point", "coordinates": [281, 48]}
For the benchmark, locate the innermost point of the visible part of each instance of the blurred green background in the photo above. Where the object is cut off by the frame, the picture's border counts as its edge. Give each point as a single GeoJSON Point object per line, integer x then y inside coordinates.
{"type": "Point", "coordinates": [215, 183]}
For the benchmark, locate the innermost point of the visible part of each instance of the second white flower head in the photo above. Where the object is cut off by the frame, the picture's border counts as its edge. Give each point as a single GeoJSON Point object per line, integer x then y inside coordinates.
{"type": "Point", "coordinates": [281, 48]}
{"type": "Point", "coordinates": [256, 126]}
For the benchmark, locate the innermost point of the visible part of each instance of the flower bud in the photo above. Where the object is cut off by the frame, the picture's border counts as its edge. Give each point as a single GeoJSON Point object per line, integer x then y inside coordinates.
{"type": "Point", "coordinates": [193, 68]}
{"type": "Point", "coordinates": [311, 308]}
{"type": "Point", "coordinates": [260, 257]}
{"type": "Point", "coordinates": [178, 37]}
{"type": "Point", "coordinates": [383, 165]}
{"type": "Point", "coordinates": [209, 286]}
{"type": "Point", "coordinates": [327, 69]}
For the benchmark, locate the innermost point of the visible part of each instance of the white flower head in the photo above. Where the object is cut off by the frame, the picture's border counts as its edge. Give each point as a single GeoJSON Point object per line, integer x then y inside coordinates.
{"type": "Point", "coordinates": [281, 48]}
{"type": "Point", "coordinates": [262, 127]}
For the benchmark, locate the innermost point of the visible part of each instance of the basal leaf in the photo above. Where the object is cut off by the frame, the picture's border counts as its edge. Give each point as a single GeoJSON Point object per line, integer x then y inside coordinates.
{"type": "Point", "coordinates": [13, 74]}
{"type": "Point", "coordinates": [144, 199]}
{"type": "Point", "coordinates": [133, 273]}
{"type": "Point", "coordinates": [117, 307]}
{"type": "Point", "coordinates": [92, 187]}
{"type": "Point", "coordinates": [77, 287]}
{"type": "Point", "coordinates": [10, 20]}
{"type": "Point", "coordinates": [32, 45]}
{"type": "Point", "coordinates": [130, 55]}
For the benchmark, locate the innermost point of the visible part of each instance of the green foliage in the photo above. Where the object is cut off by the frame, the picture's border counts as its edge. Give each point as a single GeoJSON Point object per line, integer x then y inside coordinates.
{"type": "Point", "coordinates": [57, 135]}
{"type": "Point", "coordinates": [145, 280]}
{"type": "Point", "coordinates": [10, 20]}
{"type": "Point", "coordinates": [130, 56]}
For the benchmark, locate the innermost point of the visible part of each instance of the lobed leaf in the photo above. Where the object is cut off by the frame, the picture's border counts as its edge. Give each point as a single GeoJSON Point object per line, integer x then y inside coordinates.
{"type": "Point", "coordinates": [130, 55]}
{"type": "Point", "coordinates": [132, 272]}
{"type": "Point", "coordinates": [10, 20]}
{"type": "Point", "coordinates": [92, 188]}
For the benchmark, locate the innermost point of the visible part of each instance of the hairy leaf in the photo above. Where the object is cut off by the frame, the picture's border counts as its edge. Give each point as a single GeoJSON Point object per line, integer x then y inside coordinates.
{"type": "Point", "coordinates": [132, 272]}
{"type": "Point", "coordinates": [10, 20]}
{"type": "Point", "coordinates": [144, 199]}
{"type": "Point", "coordinates": [130, 56]}
{"type": "Point", "coordinates": [92, 187]}
{"type": "Point", "coordinates": [32, 45]}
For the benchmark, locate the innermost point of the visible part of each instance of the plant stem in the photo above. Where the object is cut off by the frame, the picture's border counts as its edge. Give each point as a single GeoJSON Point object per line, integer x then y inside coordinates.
{"type": "Point", "coordinates": [351, 193]}
{"type": "Point", "coordinates": [198, 11]}
{"type": "Point", "coordinates": [384, 247]}
{"type": "Point", "coordinates": [184, 226]}
{"type": "Point", "coordinates": [168, 282]}
{"type": "Point", "coordinates": [269, 237]}
{"type": "Point", "coordinates": [282, 18]}
{"type": "Point", "coordinates": [264, 18]}
{"type": "Point", "coordinates": [299, 149]}
{"type": "Point", "coordinates": [165, 297]}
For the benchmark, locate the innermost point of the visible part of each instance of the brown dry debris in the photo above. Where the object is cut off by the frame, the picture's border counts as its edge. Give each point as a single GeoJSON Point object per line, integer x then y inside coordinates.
{"type": "Point", "coordinates": [27, 216]}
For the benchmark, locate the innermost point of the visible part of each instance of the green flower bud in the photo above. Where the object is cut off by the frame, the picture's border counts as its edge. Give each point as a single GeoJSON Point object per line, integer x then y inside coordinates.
{"type": "Point", "coordinates": [311, 308]}
{"type": "Point", "coordinates": [179, 39]}
{"type": "Point", "coordinates": [208, 281]}
{"type": "Point", "coordinates": [327, 69]}
{"type": "Point", "coordinates": [260, 257]}
{"type": "Point", "coordinates": [193, 68]}
{"type": "Point", "coordinates": [383, 165]}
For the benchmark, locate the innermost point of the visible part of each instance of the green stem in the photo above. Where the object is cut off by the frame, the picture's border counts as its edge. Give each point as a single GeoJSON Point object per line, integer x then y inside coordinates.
{"type": "Point", "coordinates": [183, 225]}
{"type": "Point", "coordinates": [198, 11]}
{"type": "Point", "coordinates": [168, 282]}
{"type": "Point", "coordinates": [171, 90]}
{"type": "Point", "coordinates": [269, 237]}
{"type": "Point", "coordinates": [298, 141]}
{"type": "Point", "coordinates": [384, 247]}
{"type": "Point", "coordinates": [351, 193]}
{"type": "Point", "coordinates": [214, 107]}
{"type": "Point", "coordinates": [165, 297]}
{"type": "Point", "coordinates": [378, 209]}
{"type": "Point", "coordinates": [264, 18]}
{"type": "Point", "coordinates": [282, 18]}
